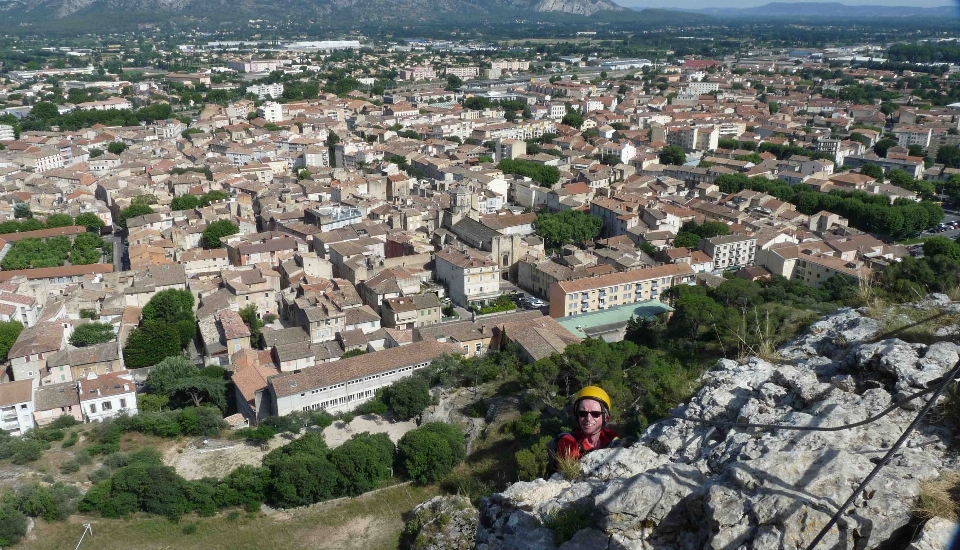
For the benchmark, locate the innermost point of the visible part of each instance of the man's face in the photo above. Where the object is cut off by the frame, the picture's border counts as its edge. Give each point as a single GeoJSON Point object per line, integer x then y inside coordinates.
{"type": "Point", "coordinates": [590, 416]}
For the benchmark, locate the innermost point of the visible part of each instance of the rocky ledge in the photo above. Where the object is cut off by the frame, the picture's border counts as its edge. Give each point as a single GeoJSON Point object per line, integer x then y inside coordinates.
{"type": "Point", "coordinates": [687, 485]}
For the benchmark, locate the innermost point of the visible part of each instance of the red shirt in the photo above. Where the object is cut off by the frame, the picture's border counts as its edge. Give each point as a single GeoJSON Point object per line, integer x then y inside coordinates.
{"type": "Point", "coordinates": [570, 444]}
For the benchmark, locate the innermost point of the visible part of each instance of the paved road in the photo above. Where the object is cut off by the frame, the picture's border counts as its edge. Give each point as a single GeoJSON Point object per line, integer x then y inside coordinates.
{"type": "Point", "coordinates": [952, 234]}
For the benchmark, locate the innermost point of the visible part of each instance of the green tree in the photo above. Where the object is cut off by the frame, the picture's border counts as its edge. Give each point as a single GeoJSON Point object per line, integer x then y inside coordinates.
{"type": "Point", "coordinates": [936, 246]}
{"type": "Point", "coordinates": [567, 227]}
{"type": "Point", "coordinates": [685, 239]}
{"type": "Point", "coordinates": [91, 221]}
{"type": "Point", "coordinates": [13, 524]}
{"type": "Point", "coordinates": [185, 202]}
{"type": "Point", "coordinates": [213, 196]}
{"type": "Point", "coordinates": [216, 231]}
{"type": "Point", "coordinates": [454, 82]}
{"type": "Point", "coordinates": [949, 156]}
{"type": "Point", "coordinates": [251, 318]}
{"type": "Point", "coordinates": [673, 154]}
{"type": "Point", "coordinates": [59, 220]}
{"type": "Point", "coordinates": [546, 176]}
{"type": "Point", "coordinates": [22, 210]}
{"type": "Point", "coordinates": [133, 211]}
{"type": "Point", "coordinates": [116, 147]}
{"type": "Point", "coordinates": [429, 453]}
{"type": "Point", "coordinates": [89, 334]}
{"type": "Point", "coordinates": [573, 118]}
{"type": "Point", "coordinates": [738, 293]}
{"type": "Point", "coordinates": [880, 147]}
{"type": "Point", "coordinates": [873, 171]}
{"type": "Point", "coordinates": [916, 150]}
{"type": "Point", "coordinates": [44, 110]}
{"type": "Point", "coordinates": [363, 462]}
{"type": "Point", "coordinates": [693, 310]}
{"type": "Point", "coordinates": [150, 343]}
{"type": "Point", "coordinates": [408, 397]}
{"type": "Point", "coordinates": [178, 379]}
{"type": "Point", "coordinates": [9, 332]}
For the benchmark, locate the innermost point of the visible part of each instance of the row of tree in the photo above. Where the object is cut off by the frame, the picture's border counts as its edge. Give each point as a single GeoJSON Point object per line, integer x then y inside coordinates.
{"type": "Point", "coordinates": [303, 472]}
{"type": "Point", "coordinates": [901, 219]}
{"type": "Point", "coordinates": [546, 176]}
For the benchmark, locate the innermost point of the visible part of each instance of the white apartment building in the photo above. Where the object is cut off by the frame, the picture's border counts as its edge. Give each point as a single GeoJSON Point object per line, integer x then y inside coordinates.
{"type": "Point", "coordinates": [266, 91]}
{"type": "Point", "coordinates": [108, 395]}
{"type": "Point", "coordinates": [470, 279]}
{"type": "Point", "coordinates": [730, 250]}
{"type": "Point", "coordinates": [112, 103]}
{"type": "Point", "coordinates": [6, 132]}
{"type": "Point", "coordinates": [271, 111]}
{"type": "Point", "coordinates": [690, 138]}
{"type": "Point", "coordinates": [344, 384]}
{"type": "Point", "coordinates": [912, 135]}
{"type": "Point", "coordinates": [510, 66]}
{"type": "Point", "coordinates": [417, 73]}
{"type": "Point", "coordinates": [16, 406]}
{"type": "Point", "coordinates": [701, 88]}
{"type": "Point", "coordinates": [255, 65]}
{"type": "Point", "coordinates": [591, 294]}
{"type": "Point", "coordinates": [463, 72]}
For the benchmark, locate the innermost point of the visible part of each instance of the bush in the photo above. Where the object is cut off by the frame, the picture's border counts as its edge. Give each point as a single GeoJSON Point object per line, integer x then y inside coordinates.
{"type": "Point", "coordinates": [430, 452]}
{"type": "Point", "coordinates": [408, 397]}
{"type": "Point", "coordinates": [62, 422]}
{"type": "Point", "coordinates": [13, 524]}
{"type": "Point", "coordinates": [260, 433]}
{"type": "Point", "coordinates": [53, 503]}
{"type": "Point", "coordinates": [363, 462]}
{"type": "Point", "coordinates": [89, 334]}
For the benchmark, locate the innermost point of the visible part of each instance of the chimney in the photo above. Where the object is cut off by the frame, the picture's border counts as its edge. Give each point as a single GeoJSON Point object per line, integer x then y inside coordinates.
{"type": "Point", "coordinates": [98, 391]}
{"type": "Point", "coordinates": [126, 387]}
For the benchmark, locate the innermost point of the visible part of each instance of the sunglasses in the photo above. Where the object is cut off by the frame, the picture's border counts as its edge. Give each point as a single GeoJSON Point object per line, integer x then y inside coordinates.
{"type": "Point", "coordinates": [594, 414]}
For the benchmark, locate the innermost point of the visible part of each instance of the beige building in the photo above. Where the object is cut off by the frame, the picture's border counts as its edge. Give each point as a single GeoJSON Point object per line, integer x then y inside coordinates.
{"type": "Point", "coordinates": [812, 263]}
{"type": "Point", "coordinates": [408, 312]}
{"type": "Point", "coordinates": [470, 277]}
{"type": "Point", "coordinates": [600, 293]}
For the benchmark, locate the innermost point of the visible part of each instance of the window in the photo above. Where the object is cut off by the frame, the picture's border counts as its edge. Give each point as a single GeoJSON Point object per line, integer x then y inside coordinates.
{"type": "Point", "coordinates": [123, 403]}
{"type": "Point", "coordinates": [479, 347]}
{"type": "Point", "coordinates": [93, 407]}
{"type": "Point", "coordinates": [107, 406]}
{"type": "Point", "coordinates": [23, 406]}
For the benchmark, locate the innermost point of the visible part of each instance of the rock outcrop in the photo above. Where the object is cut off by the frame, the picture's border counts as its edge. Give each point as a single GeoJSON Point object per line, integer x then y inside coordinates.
{"type": "Point", "coordinates": [688, 485]}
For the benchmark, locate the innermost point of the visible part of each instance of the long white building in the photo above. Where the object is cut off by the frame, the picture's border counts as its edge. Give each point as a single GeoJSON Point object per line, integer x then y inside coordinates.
{"type": "Point", "coordinates": [344, 384]}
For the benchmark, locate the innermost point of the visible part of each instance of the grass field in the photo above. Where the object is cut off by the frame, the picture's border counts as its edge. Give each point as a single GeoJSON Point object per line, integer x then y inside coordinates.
{"type": "Point", "coordinates": [373, 522]}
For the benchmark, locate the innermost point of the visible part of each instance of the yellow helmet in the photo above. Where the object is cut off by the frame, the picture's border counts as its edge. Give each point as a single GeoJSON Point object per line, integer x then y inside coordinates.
{"type": "Point", "coordinates": [593, 392]}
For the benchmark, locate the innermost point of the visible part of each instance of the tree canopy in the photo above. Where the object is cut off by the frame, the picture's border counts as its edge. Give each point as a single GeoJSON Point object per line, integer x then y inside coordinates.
{"type": "Point", "coordinates": [567, 227]}
{"type": "Point", "coordinates": [89, 334]}
{"type": "Point", "coordinates": [216, 231]}
{"type": "Point", "coordinates": [182, 382]}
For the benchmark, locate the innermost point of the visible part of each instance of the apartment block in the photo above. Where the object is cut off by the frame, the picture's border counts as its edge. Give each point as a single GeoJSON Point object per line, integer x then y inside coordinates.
{"type": "Point", "coordinates": [417, 73]}
{"type": "Point", "coordinates": [510, 66]}
{"type": "Point", "coordinates": [266, 91]}
{"type": "Point", "coordinates": [463, 72]}
{"type": "Point", "coordinates": [606, 291]}
{"type": "Point", "coordinates": [730, 250]}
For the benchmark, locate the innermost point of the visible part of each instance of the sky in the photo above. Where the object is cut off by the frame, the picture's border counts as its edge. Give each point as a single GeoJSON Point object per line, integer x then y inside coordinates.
{"type": "Point", "coordinates": [750, 3]}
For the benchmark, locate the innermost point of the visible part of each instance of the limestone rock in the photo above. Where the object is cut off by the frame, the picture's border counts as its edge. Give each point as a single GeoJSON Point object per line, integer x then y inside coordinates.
{"type": "Point", "coordinates": [444, 522]}
{"type": "Point", "coordinates": [937, 534]}
{"type": "Point", "coordinates": [688, 485]}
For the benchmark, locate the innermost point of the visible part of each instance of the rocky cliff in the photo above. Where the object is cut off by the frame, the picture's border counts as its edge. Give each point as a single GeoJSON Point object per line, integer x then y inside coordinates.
{"type": "Point", "coordinates": [687, 485]}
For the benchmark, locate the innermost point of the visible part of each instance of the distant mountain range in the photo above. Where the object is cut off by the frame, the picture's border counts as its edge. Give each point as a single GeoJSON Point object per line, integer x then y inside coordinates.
{"type": "Point", "coordinates": [349, 12]}
{"type": "Point", "coordinates": [826, 10]}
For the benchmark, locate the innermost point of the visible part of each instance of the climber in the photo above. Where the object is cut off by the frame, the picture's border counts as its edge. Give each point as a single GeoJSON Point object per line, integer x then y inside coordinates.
{"type": "Point", "coordinates": [591, 410]}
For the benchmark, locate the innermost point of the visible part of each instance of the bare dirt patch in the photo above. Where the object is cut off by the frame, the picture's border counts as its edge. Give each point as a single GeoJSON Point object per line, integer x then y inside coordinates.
{"type": "Point", "coordinates": [218, 457]}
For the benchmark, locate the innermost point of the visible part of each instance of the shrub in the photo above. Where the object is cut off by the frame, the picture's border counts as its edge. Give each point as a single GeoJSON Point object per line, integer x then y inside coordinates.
{"type": "Point", "coordinates": [430, 452]}
{"type": "Point", "coordinates": [362, 462]}
{"type": "Point", "coordinates": [13, 524]}
{"type": "Point", "coordinates": [62, 422]}
{"type": "Point", "coordinates": [52, 503]}
{"type": "Point", "coordinates": [408, 397]}
{"type": "Point", "coordinates": [566, 522]}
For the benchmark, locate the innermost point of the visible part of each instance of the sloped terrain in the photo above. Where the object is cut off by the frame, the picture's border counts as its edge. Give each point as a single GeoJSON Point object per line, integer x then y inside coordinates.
{"type": "Point", "coordinates": [689, 485]}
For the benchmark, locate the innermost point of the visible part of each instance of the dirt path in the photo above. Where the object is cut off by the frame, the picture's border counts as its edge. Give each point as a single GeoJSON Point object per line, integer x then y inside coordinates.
{"type": "Point", "coordinates": [194, 459]}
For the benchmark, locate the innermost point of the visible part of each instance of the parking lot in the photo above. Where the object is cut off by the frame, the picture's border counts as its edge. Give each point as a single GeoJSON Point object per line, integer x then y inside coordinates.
{"type": "Point", "coordinates": [951, 230]}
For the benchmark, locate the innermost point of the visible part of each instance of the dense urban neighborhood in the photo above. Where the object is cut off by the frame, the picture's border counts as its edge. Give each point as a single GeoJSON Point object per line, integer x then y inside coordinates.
{"type": "Point", "coordinates": [245, 238]}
